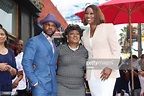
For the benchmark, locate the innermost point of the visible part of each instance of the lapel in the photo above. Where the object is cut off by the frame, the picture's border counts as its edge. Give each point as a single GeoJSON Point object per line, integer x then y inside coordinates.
{"type": "Point", "coordinates": [55, 49]}
{"type": "Point", "coordinates": [44, 40]}
{"type": "Point", "coordinates": [86, 38]}
{"type": "Point", "coordinates": [97, 33]}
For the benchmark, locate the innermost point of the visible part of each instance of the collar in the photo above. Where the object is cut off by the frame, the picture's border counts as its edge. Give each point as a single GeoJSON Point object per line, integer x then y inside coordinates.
{"type": "Point", "coordinates": [48, 37]}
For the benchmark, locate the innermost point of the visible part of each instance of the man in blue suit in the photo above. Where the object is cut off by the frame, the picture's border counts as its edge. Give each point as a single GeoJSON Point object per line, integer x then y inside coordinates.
{"type": "Point", "coordinates": [40, 52]}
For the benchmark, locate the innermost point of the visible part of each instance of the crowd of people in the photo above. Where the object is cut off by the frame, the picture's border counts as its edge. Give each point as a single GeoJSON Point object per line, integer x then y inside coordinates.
{"type": "Point", "coordinates": [92, 55]}
{"type": "Point", "coordinates": [131, 77]}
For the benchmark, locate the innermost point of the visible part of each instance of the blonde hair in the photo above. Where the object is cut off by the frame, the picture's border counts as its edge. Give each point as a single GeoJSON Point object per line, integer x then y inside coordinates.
{"type": "Point", "coordinates": [98, 15]}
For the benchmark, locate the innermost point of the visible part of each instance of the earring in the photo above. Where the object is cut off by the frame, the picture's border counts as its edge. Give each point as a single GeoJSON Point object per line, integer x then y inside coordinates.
{"type": "Point", "coordinates": [67, 40]}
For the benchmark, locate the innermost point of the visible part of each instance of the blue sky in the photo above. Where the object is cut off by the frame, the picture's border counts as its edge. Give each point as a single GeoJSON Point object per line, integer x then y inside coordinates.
{"type": "Point", "coordinates": [69, 7]}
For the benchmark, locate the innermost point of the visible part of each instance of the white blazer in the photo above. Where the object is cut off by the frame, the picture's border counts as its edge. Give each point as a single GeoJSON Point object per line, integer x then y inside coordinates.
{"type": "Point", "coordinates": [104, 46]}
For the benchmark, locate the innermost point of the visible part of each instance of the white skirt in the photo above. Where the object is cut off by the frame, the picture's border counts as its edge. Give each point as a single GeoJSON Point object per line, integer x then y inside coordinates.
{"type": "Point", "coordinates": [101, 88]}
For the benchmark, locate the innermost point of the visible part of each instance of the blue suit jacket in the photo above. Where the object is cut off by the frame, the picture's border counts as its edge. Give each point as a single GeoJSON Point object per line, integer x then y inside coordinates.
{"type": "Point", "coordinates": [38, 52]}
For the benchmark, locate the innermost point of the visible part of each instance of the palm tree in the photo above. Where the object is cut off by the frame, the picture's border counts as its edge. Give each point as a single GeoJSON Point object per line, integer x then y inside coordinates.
{"type": "Point", "coordinates": [123, 40]}
{"type": "Point", "coordinates": [138, 34]}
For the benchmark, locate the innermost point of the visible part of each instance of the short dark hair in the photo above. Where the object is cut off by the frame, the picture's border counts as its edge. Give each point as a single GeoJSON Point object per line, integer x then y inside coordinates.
{"type": "Point", "coordinates": [134, 56]}
{"type": "Point", "coordinates": [98, 15]}
{"type": "Point", "coordinates": [1, 26]}
{"type": "Point", "coordinates": [142, 56]}
{"type": "Point", "coordinates": [71, 27]}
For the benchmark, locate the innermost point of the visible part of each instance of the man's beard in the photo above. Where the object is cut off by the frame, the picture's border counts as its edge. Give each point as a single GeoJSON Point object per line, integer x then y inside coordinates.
{"type": "Point", "coordinates": [49, 34]}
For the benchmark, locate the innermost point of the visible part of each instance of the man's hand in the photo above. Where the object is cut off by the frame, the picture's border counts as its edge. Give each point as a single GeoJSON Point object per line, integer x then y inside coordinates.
{"type": "Point", "coordinates": [15, 83]}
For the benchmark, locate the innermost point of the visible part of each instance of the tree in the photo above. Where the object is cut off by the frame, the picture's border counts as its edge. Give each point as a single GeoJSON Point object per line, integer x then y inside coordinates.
{"type": "Point", "coordinates": [136, 35]}
{"type": "Point", "coordinates": [123, 40]}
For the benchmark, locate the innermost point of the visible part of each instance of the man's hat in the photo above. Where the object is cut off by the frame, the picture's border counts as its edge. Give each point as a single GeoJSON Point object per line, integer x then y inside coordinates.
{"type": "Point", "coordinates": [50, 18]}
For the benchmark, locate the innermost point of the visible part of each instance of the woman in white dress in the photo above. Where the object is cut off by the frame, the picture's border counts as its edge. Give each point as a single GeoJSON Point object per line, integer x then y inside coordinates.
{"type": "Point", "coordinates": [101, 42]}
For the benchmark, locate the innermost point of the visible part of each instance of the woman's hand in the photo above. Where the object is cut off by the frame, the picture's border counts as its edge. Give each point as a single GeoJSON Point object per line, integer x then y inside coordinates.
{"type": "Point", "coordinates": [105, 73]}
{"type": "Point", "coordinates": [12, 70]}
{"type": "Point", "coordinates": [4, 67]}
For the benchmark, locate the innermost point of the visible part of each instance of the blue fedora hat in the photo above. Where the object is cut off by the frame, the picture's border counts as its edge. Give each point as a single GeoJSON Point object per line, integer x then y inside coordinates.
{"type": "Point", "coordinates": [50, 18]}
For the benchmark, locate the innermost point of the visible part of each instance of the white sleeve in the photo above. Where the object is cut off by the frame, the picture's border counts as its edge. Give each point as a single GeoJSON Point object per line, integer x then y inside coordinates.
{"type": "Point", "coordinates": [18, 61]}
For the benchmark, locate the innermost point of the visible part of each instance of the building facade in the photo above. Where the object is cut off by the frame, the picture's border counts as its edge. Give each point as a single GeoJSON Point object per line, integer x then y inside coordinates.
{"type": "Point", "coordinates": [19, 17]}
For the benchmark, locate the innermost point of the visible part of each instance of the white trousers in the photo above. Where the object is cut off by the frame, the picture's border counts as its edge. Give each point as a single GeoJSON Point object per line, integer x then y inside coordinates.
{"type": "Point", "coordinates": [101, 88]}
{"type": "Point", "coordinates": [141, 79]}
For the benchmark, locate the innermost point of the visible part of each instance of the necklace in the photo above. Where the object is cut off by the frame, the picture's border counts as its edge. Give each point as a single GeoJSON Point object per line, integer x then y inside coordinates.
{"type": "Point", "coordinates": [74, 49]}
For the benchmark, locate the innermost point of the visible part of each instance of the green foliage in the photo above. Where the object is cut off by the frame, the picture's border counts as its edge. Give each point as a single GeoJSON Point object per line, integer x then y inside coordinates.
{"type": "Point", "coordinates": [123, 36]}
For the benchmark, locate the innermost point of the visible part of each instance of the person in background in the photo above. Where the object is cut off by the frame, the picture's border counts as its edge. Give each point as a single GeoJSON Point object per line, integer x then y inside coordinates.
{"type": "Point", "coordinates": [11, 46]}
{"type": "Point", "coordinates": [40, 51]}
{"type": "Point", "coordinates": [141, 73]}
{"type": "Point", "coordinates": [135, 91]}
{"type": "Point", "coordinates": [122, 84]}
{"type": "Point", "coordinates": [71, 61]}
{"type": "Point", "coordinates": [19, 83]}
{"type": "Point", "coordinates": [102, 44]}
{"type": "Point", "coordinates": [8, 68]}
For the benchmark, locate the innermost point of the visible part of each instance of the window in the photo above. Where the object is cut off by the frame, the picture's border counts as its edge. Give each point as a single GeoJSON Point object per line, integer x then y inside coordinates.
{"type": "Point", "coordinates": [8, 15]}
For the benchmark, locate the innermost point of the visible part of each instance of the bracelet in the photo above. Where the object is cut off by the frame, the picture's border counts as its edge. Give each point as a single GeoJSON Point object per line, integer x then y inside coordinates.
{"type": "Point", "coordinates": [10, 69]}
